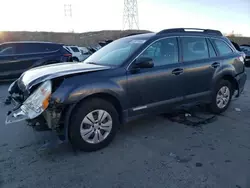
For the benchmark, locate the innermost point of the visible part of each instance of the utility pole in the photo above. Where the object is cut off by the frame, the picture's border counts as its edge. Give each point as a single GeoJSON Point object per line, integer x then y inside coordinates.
{"type": "Point", "coordinates": [130, 15]}
{"type": "Point", "coordinates": [68, 15]}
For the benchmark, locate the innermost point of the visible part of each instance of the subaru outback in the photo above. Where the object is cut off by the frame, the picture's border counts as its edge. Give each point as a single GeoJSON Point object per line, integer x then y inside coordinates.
{"type": "Point", "coordinates": [133, 76]}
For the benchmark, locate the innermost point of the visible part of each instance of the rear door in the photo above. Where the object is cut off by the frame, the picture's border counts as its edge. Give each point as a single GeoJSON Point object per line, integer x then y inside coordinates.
{"type": "Point", "coordinates": [200, 62]}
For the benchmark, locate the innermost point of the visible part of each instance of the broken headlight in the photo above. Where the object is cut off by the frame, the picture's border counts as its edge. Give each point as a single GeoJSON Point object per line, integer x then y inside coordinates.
{"type": "Point", "coordinates": [38, 101]}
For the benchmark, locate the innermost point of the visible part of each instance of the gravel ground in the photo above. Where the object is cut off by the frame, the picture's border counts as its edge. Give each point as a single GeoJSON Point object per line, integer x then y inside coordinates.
{"type": "Point", "coordinates": [150, 152]}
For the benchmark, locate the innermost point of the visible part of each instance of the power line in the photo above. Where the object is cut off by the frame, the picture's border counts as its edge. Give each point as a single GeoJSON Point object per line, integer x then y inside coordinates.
{"type": "Point", "coordinates": [68, 15]}
{"type": "Point", "coordinates": [130, 15]}
{"type": "Point", "coordinates": [68, 10]}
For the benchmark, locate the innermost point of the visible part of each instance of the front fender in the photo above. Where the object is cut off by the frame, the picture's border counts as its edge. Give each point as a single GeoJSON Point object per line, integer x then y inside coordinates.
{"type": "Point", "coordinates": [70, 94]}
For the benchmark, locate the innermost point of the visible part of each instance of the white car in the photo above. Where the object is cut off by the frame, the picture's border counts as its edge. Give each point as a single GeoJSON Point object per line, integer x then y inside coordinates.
{"type": "Point", "coordinates": [76, 52]}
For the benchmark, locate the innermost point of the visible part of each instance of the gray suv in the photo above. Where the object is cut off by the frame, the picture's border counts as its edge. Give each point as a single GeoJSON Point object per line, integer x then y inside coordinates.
{"type": "Point", "coordinates": [133, 76]}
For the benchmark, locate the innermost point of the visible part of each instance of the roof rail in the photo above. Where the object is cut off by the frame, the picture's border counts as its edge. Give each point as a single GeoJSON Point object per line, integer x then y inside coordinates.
{"type": "Point", "coordinates": [131, 34]}
{"type": "Point", "coordinates": [182, 30]}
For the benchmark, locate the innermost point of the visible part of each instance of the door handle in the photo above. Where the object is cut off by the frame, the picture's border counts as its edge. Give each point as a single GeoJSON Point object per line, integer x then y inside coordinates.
{"type": "Point", "coordinates": [177, 71]}
{"type": "Point", "coordinates": [215, 65]}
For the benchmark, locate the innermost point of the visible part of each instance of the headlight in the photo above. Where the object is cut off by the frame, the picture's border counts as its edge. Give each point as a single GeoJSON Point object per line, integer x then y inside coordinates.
{"type": "Point", "coordinates": [38, 101]}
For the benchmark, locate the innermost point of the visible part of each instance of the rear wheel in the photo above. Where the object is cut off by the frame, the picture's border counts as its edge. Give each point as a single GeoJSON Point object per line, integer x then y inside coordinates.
{"type": "Point", "coordinates": [221, 97]}
{"type": "Point", "coordinates": [75, 59]}
{"type": "Point", "coordinates": [93, 125]}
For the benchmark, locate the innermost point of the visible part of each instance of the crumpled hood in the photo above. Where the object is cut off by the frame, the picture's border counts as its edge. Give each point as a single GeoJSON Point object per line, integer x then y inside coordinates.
{"type": "Point", "coordinates": [43, 73]}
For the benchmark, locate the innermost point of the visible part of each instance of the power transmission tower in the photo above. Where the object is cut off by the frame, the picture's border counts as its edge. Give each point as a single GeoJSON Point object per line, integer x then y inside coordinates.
{"type": "Point", "coordinates": [130, 15]}
{"type": "Point", "coordinates": [68, 15]}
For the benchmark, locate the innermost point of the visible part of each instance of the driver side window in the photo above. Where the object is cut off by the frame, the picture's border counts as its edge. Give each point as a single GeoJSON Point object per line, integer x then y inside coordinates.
{"type": "Point", "coordinates": [163, 52]}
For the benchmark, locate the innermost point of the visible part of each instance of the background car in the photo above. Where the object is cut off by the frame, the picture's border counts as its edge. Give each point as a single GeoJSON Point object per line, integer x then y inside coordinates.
{"type": "Point", "coordinates": [17, 57]}
{"type": "Point", "coordinates": [246, 49]}
{"type": "Point", "coordinates": [76, 52]}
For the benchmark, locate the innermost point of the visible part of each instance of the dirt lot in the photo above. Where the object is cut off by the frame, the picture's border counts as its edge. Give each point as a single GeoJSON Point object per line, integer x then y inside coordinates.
{"type": "Point", "coordinates": [150, 152]}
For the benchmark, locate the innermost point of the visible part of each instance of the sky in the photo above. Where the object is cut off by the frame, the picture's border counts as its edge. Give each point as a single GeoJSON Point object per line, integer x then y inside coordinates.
{"type": "Point", "coordinates": [154, 15]}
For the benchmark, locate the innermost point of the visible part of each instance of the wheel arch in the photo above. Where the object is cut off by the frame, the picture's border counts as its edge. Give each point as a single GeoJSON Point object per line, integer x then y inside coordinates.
{"type": "Point", "coordinates": [232, 80]}
{"type": "Point", "coordinates": [229, 75]}
{"type": "Point", "coordinates": [76, 58]}
{"type": "Point", "coordinates": [105, 96]}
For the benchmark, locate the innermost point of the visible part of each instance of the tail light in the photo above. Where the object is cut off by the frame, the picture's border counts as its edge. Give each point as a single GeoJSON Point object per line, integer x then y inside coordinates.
{"type": "Point", "coordinates": [242, 57]}
{"type": "Point", "coordinates": [67, 55]}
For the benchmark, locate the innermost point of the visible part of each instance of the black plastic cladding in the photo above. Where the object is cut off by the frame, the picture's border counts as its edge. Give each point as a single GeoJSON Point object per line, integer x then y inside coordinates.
{"type": "Point", "coordinates": [182, 30]}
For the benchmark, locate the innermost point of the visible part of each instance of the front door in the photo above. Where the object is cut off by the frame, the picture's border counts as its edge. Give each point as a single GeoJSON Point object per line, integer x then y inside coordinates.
{"type": "Point", "coordinates": [154, 89]}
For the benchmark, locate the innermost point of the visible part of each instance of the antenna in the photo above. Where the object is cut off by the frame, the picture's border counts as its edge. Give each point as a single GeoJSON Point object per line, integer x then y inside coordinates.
{"type": "Point", "coordinates": [130, 15]}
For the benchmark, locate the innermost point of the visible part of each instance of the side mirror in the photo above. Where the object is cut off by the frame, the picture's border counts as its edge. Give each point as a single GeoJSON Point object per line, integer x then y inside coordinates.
{"type": "Point", "coordinates": [144, 62]}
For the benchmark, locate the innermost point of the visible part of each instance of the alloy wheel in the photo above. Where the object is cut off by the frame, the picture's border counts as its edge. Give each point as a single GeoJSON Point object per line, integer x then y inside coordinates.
{"type": "Point", "coordinates": [96, 126]}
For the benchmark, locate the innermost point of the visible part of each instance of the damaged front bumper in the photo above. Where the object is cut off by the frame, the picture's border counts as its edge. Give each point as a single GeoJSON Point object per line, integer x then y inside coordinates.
{"type": "Point", "coordinates": [50, 117]}
{"type": "Point", "coordinates": [29, 106]}
{"type": "Point", "coordinates": [17, 114]}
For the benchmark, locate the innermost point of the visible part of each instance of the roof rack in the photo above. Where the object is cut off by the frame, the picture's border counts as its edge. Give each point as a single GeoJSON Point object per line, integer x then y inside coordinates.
{"type": "Point", "coordinates": [183, 30]}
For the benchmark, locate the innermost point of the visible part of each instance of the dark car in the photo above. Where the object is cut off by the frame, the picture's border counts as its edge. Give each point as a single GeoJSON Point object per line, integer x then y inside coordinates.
{"type": "Point", "coordinates": [246, 49]}
{"type": "Point", "coordinates": [126, 79]}
{"type": "Point", "coordinates": [17, 57]}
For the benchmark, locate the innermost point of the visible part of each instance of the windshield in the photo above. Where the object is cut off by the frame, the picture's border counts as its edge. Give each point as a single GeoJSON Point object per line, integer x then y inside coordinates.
{"type": "Point", "coordinates": [116, 52]}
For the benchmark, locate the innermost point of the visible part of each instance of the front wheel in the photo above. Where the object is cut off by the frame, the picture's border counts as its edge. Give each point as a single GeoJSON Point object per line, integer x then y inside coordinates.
{"type": "Point", "coordinates": [221, 97]}
{"type": "Point", "coordinates": [93, 125]}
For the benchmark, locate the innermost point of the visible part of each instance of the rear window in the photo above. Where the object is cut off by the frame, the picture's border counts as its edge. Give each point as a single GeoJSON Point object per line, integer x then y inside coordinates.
{"type": "Point", "coordinates": [222, 47]}
{"type": "Point", "coordinates": [194, 48]}
{"type": "Point", "coordinates": [75, 49]}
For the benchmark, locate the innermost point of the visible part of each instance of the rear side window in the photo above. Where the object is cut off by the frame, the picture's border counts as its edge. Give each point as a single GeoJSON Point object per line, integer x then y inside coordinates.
{"type": "Point", "coordinates": [222, 47]}
{"type": "Point", "coordinates": [211, 49]}
{"type": "Point", "coordinates": [27, 48]}
{"type": "Point", "coordinates": [75, 49]}
{"type": "Point", "coordinates": [7, 49]}
{"type": "Point", "coordinates": [194, 48]}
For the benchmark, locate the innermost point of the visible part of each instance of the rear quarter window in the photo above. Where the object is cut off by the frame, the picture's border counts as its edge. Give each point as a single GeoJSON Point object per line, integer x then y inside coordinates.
{"type": "Point", "coordinates": [222, 47]}
{"type": "Point", "coordinates": [74, 49]}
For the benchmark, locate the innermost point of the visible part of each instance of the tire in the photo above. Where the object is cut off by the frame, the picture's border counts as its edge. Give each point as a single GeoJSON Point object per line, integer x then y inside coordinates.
{"type": "Point", "coordinates": [220, 105]}
{"type": "Point", "coordinates": [82, 113]}
{"type": "Point", "coordinates": [75, 59]}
